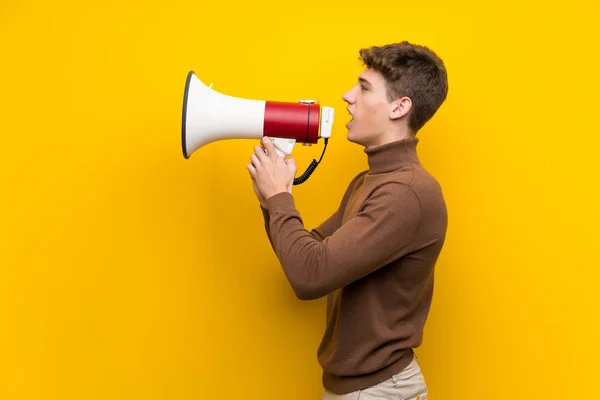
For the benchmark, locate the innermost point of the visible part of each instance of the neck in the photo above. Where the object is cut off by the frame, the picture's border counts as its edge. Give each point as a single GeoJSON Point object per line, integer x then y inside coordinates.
{"type": "Point", "coordinates": [394, 134]}
{"type": "Point", "coordinates": [392, 155]}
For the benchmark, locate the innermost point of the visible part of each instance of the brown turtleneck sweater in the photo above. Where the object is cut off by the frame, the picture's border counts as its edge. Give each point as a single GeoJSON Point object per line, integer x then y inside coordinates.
{"type": "Point", "coordinates": [373, 258]}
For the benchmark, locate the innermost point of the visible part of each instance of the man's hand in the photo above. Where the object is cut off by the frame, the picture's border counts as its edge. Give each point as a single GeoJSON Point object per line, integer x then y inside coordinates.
{"type": "Point", "coordinates": [270, 173]}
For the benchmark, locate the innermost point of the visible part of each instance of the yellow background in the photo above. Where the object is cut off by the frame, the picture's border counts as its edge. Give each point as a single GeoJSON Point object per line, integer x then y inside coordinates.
{"type": "Point", "coordinates": [128, 272]}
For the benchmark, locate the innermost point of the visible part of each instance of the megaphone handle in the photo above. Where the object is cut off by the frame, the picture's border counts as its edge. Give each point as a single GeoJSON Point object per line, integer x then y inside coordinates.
{"type": "Point", "coordinates": [283, 147]}
{"type": "Point", "coordinates": [280, 153]}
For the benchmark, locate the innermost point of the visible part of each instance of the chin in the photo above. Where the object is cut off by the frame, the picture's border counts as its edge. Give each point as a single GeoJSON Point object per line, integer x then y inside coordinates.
{"type": "Point", "coordinates": [352, 139]}
{"type": "Point", "coordinates": [350, 136]}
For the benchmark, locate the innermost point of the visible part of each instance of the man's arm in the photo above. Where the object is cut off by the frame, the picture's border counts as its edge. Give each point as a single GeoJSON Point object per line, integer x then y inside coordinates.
{"type": "Point", "coordinates": [319, 233]}
{"type": "Point", "coordinates": [382, 231]}
{"type": "Point", "coordinates": [329, 225]}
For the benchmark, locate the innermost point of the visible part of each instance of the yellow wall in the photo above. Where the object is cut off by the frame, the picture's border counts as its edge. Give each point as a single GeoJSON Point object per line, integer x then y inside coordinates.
{"type": "Point", "coordinates": [128, 272]}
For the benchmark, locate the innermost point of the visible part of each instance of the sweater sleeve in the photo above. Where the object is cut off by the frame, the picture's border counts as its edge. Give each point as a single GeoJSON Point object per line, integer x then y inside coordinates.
{"type": "Point", "coordinates": [328, 226]}
{"type": "Point", "coordinates": [382, 230]}
{"type": "Point", "coordinates": [324, 230]}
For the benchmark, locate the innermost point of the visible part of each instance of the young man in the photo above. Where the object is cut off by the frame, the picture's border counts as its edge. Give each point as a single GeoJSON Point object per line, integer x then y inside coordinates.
{"type": "Point", "coordinates": [374, 257]}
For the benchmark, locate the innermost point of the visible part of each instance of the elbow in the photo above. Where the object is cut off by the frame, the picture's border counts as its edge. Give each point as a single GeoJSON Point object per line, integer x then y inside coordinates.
{"type": "Point", "coordinates": [306, 291]}
{"type": "Point", "coordinates": [308, 275]}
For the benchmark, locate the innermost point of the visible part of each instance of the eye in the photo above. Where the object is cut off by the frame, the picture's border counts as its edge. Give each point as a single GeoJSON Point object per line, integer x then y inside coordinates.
{"type": "Point", "coordinates": [363, 87]}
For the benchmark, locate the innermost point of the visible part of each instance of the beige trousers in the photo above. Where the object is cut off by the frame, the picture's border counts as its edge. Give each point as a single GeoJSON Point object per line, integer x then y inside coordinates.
{"type": "Point", "coordinates": [408, 384]}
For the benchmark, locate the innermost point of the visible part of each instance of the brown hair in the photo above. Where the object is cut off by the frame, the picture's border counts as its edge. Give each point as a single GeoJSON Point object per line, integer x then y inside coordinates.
{"type": "Point", "coordinates": [413, 71]}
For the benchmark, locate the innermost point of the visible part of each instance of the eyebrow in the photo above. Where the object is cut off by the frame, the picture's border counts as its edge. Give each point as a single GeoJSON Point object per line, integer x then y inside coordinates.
{"type": "Point", "coordinates": [363, 80]}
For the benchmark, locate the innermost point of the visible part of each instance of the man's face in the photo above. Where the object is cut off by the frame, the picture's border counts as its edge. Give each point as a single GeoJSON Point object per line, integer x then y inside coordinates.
{"type": "Point", "coordinates": [369, 105]}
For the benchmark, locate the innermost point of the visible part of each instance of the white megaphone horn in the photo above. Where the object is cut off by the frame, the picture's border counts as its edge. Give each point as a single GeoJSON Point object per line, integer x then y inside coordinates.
{"type": "Point", "coordinates": [209, 116]}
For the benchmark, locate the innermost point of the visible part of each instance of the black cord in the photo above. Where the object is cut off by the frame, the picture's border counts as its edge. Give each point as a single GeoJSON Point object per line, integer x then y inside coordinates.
{"type": "Point", "coordinates": [311, 168]}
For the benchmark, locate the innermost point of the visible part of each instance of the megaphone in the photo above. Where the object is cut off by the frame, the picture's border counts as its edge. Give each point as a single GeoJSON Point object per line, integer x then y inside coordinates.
{"type": "Point", "coordinates": [209, 116]}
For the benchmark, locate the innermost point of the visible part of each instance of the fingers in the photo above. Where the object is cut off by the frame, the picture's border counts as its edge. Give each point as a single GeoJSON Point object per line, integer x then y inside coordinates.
{"type": "Point", "coordinates": [266, 151]}
{"type": "Point", "coordinates": [251, 169]}
{"type": "Point", "coordinates": [262, 155]}
{"type": "Point", "coordinates": [259, 151]}
{"type": "Point", "coordinates": [268, 145]}
{"type": "Point", "coordinates": [254, 160]}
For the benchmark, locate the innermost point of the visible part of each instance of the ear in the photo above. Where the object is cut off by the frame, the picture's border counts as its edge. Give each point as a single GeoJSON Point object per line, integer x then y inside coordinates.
{"type": "Point", "coordinates": [400, 107]}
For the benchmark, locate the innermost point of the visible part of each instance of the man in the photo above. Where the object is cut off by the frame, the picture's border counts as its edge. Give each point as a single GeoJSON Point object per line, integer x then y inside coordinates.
{"type": "Point", "coordinates": [374, 257]}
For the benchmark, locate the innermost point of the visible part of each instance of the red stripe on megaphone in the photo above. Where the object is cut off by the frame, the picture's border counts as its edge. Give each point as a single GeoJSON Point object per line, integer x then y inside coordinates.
{"type": "Point", "coordinates": [292, 121]}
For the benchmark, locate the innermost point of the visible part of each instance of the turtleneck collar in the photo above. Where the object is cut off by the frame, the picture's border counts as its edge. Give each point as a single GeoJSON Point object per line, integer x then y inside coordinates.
{"type": "Point", "coordinates": [392, 156]}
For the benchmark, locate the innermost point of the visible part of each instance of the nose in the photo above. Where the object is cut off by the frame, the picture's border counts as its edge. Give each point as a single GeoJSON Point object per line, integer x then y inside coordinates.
{"type": "Point", "coordinates": [349, 96]}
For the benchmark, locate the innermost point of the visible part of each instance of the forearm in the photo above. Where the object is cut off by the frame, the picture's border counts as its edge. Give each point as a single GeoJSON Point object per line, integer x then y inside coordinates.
{"type": "Point", "coordinates": [372, 238]}
{"type": "Point", "coordinates": [267, 221]}
{"type": "Point", "coordinates": [297, 248]}
{"type": "Point", "coordinates": [304, 258]}
{"type": "Point", "coordinates": [319, 233]}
